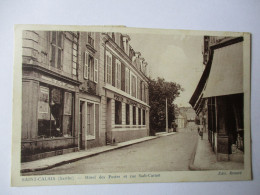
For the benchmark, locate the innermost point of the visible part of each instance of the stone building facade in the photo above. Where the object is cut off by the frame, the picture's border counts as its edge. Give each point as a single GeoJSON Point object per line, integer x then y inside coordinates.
{"type": "Point", "coordinates": [80, 90]}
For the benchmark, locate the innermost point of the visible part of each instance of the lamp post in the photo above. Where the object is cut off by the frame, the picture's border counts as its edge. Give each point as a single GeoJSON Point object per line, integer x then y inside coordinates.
{"type": "Point", "coordinates": [166, 110]}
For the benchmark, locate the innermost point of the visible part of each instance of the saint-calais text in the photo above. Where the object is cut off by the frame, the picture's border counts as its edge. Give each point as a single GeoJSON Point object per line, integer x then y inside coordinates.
{"type": "Point", "coordinates": [47, 178]}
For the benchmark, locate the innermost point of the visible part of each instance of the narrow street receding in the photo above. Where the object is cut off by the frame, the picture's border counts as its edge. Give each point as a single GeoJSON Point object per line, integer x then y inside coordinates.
{"type": "Point", "coordinates": [167, 153]}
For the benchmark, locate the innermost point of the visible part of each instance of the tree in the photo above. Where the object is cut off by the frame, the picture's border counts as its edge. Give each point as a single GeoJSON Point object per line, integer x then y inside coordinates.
{"type": "Point", "coordinates": [159, 90]}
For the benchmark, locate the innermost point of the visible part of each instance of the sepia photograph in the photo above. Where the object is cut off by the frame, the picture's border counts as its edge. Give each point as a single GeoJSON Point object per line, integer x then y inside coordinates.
{"type": "Point", "coordinates": [111, 104]}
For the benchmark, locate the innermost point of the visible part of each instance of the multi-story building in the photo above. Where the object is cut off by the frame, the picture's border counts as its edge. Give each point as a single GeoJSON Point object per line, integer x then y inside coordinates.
{"type": "Point", "coordinates": [80, 90]}
{"type": "Point", "coordinates": [50, 88]}
{"type": "Point", "coordinates": [218, 98]}
{"type": "Point", "coordinates": [125, 90]}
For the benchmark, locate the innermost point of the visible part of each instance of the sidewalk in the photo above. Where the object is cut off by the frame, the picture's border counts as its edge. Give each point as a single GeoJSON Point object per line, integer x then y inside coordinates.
{"type": "Point", "coordinates": [204, 158]}
{"type": "Point", "coordinates": [48, 163]}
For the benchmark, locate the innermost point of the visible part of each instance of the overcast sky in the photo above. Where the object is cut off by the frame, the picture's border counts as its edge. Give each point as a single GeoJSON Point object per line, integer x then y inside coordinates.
{"type": "Point", "coordinates": [176, 58]}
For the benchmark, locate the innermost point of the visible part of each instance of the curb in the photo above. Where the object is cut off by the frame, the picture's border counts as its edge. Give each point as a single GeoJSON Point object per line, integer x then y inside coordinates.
{"type": "Point", "coordinates": [82, 157]}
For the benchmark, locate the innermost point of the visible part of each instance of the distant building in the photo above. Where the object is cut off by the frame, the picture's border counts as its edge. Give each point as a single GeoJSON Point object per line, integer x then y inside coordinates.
{"type": "Point", "coordinates": [181, 121]}
{"type": "Point", "coordinates": [189, 112]}
{"type": "Point", "coordinates": [218, 98]}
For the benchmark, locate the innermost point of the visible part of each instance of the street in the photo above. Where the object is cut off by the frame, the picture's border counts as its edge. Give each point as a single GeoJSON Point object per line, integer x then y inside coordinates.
{"type": "Point", "coordinates": [167, 153]}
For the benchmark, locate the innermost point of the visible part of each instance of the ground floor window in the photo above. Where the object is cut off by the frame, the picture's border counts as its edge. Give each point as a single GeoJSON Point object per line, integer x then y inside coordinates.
{"type": "Point", "coordinates": [127, 114]}
{"type": "Point", "coordinates": [143, 117]}
{"type": "Point", "coordinates": [139, 116]}
{"type": "Point", "coordinates": [118, 112]}
{"type": "Point", "coordinates": [90, 119]}
{"type": "Point", "coordinates": [55, 110]}
{"type": "Point", "coordinates": [134, 115]}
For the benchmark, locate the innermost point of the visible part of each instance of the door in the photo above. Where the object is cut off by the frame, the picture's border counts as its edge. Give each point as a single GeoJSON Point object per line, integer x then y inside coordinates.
{"type": "Point", "coordinates": [82, 125]}
{"type": "Point", "coordinates": [108, 122]}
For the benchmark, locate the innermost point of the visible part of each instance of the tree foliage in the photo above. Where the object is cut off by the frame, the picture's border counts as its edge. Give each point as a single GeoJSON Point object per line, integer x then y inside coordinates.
{"type": "Point", "coordinates": [159, 90]}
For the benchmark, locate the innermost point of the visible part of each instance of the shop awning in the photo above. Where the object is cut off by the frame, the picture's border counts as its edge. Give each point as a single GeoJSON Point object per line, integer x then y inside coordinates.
{"type": "Point", "coordinates": [226, 74]}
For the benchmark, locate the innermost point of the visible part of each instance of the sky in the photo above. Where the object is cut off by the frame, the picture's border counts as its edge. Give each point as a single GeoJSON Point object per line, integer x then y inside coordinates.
{"type": "Point", "coordinates": [176, 58]}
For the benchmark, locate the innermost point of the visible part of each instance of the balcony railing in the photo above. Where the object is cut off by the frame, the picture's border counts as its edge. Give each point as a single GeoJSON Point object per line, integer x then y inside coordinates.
{"type": "Point", "coordinates": [89, 87]}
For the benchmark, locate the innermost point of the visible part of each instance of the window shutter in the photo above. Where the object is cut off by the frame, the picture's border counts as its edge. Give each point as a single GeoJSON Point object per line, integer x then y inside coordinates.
{"type": "Point", "coordinates": [86, 66]}
{"type": "Point", "coordinates": [53, 37]}
{"type": "Point", "coordinates": [59, 64]}
{"type": "Point", "coordinates": [122, 76]}
{"type": "Point", "coordinates": [119, 75]}
{"type": "Point", "coordinates": [113, 71]}
{"type": "Point", "coordinates": [53, 56]}
{"type": "Point", "coordinates": [96, 71]}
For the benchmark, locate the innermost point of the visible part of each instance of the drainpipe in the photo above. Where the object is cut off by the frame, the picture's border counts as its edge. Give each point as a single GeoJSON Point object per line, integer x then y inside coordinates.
{"type": "Point", "coordinates": [105, 48]}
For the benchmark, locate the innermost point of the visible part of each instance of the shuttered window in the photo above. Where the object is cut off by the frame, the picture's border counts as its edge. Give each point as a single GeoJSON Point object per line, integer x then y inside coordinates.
{"type": "Point", "coordinates": [109, 69]}
{"type": "Point", "coordinates": [123, 77]}
{"type": "Point", "coordinates": [127, 81]}
{"type": "Point", "coordinates": [118, 74]}
{"type": "Point", "coordinates": [56, 49]}
{"type": "Point", "coordinates": [113, 71]}
{"type": "Point", "coordinates": [96, 71]}
{"type": "Point", "coordinates": [133, 85]}
{"type": "Point", "coordinates": [86, 66]}
{"type": "Point", "coordinates": [90, 68]}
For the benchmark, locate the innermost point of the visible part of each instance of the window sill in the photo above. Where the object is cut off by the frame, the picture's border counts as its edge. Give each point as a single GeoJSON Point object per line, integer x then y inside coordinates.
{"type": "Point", "coordinates": [90, 137]}
{"type": "Point", "coordinates": [47, 139]}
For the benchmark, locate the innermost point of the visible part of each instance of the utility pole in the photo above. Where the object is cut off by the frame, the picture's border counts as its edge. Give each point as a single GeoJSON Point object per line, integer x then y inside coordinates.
{"type": "Point", "coordinates": [167, 130]}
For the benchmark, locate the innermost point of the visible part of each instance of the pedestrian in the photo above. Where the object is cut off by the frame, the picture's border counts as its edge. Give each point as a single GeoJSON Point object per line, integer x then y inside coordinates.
{"type": "Point", "coordinates": [201, 133]}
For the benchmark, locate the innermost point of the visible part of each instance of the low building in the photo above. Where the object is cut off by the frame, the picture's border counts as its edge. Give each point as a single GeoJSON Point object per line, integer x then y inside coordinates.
{"type": "Point", "coordinates": [180, 121]}
{"type": "Point", "coordinates": [218, 98]}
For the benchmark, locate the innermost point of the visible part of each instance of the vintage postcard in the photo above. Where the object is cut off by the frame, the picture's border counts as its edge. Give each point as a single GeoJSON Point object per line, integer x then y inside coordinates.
{"type": "Point", "coordinates": [111, 104]}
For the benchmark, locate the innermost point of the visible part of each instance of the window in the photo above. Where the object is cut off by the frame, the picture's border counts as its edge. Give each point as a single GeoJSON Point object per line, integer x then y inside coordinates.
{"type": "Point", "coordinates": [56, 49]}
{"type": "Point", "coordinates": [109, 68]}
{"type": "Point", "coordinates": [127, 114]}
{"type": "Point", "coordinates": [133, 85]}
{"type": "Point", "coordinates": [113, 36]}
{"type": "Point", "coordinates": [143, 91]}
{"type": "Point", "coordinates": [121, 42]}
{"type": "Point", "coordinates": [90, 120]}
{"type": "Point", "coordinates": [139, 116]}
{"type": "Point", "coordinates": [118, 112]}
{"type": "Point", "coordinates": [54, 112]}
{"type": "Point", "coordinates": [143, 117]}
{"type": "Point", "coordinates": [91, 39]}
{"type": "Point", "coordinates": [113, 70]}
{"type": "Point", "coordinates": [118, 74]}
{"type": "Point", "coordinates": [127, 80]}
{"type": "Point", "coordinates": [134, 115]}
{"type": "Point", "coordinates": [138, 88]}
{"type": "Point", "coordinates": [127, 47]}
{"type": "Point", "coordinates": [74, 57]}
{"type": "Point", "coordinates": [96, 71]}
{"type": "Point", "coordinates": [91, 68]}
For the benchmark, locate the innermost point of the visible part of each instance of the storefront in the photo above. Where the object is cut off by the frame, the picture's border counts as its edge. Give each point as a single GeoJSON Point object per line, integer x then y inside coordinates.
{"type": "Point", "coordinates": [49, 125]}
{"type": "Point", "coordinates": [127, 119]}
{"type": "Point", "coordinates": [219, 97]}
